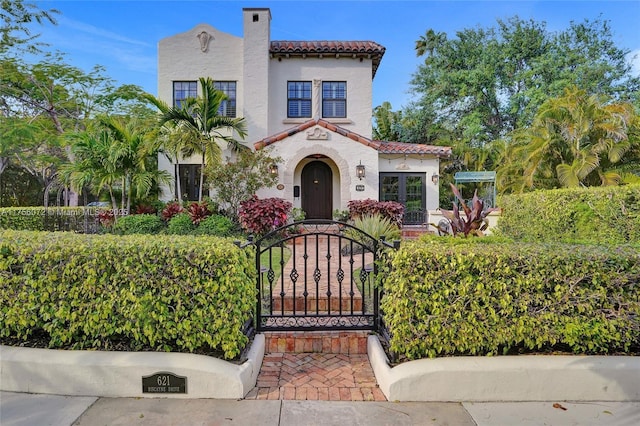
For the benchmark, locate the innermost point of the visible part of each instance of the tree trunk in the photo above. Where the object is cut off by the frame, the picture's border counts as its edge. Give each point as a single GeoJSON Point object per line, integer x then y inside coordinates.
{"type": "Point", "coordinates": [201, 179]}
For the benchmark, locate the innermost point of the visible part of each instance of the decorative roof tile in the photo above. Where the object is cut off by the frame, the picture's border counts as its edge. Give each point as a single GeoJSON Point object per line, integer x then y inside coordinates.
{"type": "Point", "coordinates": [382, 147]}
{"type": "Point", "coordinates": [356, 49]}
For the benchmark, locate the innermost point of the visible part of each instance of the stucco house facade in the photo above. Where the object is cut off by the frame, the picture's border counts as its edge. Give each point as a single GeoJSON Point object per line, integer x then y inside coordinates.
{"type": "Point", "coordinates": [307, 102]}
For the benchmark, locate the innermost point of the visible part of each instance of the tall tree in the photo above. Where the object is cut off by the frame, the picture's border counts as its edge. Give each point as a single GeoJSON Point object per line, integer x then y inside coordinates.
{"type": "Point", "coordinates": [199, 119]}
{"type": "Point", "coordinates": [15, 19]}
{"type": "Point", "coordinates": [485, 82]}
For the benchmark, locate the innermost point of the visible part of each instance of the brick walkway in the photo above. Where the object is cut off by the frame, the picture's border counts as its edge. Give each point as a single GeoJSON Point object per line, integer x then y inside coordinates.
{"type": "Point", "coordinates": [316, 376]}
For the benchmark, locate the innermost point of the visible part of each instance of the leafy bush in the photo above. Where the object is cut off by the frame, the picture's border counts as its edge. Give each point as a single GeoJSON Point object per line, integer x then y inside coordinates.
{"type": "Point", "coordinates": [377, 226]}
{"type": "Point", "coordinates": [262, 216]}
{"type": "Point", "coordinates": [171, 209]}
{"type": "Point", "coordinates": [198, 212]}
{"type": "Point", "coordinates": [166, 293]}
{"type": "Point", "coordinates": [218, 225]}
{"type": "Point", "coordinates": [605, 215]}
{"type": "Point", "coordinates": [180, 224]}
{"type": "Point", "coordinates": [46, 218]}
{"type": "Point", "coordinates": [446, 296]}
{"type": "Point", "coordinates": [389, 209]}
{"type": "Point", "coordinates": [138, 224]}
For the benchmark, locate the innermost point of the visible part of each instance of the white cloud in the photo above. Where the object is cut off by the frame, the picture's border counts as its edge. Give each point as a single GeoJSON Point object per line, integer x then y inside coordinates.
{"type": "Point", "coordinates": [99, 32]}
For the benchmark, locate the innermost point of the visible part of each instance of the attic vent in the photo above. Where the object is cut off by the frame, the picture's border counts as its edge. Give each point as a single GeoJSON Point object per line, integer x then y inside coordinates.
{"type": "Point", "coordinates": [256, 17]}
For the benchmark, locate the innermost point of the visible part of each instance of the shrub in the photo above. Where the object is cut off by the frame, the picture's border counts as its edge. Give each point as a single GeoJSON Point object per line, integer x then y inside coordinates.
{"type": "Point", "coordinates": [145, 209]}
{"type": "Point", "coordinates": [605, 215]}
{"type": "Point", "coordinates": [138, 224]}
{"type": "Point", "coordinates": [377, 226]}
{"type": "Point", "coordinates": [39, 218]}
{"type": "Point", "coordinates": [218, 225]}
{"type": "Point", "coordinates": [171, 209]}
{"type": "Point", "coordinates": [262, 216]}
{"type": "Point", "coordinates": [180, 224]}
{"type": "Point", "coordinates": [389, 209]}
{"type": "Point", "coordinates": [447, 296]}
{"type": "Point", "coordinates": [98, 291]}
{"type": "Point", "coordinates": [198, 211]}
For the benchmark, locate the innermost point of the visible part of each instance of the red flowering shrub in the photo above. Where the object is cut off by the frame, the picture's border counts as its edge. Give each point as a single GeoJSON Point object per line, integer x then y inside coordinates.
{"type": "Point", "coordinates": [262, 216]}
{"type": "Point", "coordinates": [171, 209]}
{"type": "Point", "coordinates": [198, 212]}
{"type": "Point", "coordinates": [106, 218]}
{"type": "Point", "coordinates": [145, 209]}
{"type": "Point", "coordinates": [389, 209]}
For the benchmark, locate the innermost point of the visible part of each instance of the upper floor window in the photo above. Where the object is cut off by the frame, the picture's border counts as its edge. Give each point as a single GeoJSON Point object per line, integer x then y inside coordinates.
{"type": "Point", "coordinates": [298, 99]}
{"type": "Point", "coordinates": [183, 90]}
{"type": "Point", "coordinates": [228, 106]}
{"type": "Point", "coordinates": [334, 99]}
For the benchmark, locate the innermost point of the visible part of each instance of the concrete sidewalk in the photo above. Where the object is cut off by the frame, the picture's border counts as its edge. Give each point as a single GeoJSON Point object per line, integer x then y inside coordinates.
{"type": "Point", "coordinates": [38, 410]}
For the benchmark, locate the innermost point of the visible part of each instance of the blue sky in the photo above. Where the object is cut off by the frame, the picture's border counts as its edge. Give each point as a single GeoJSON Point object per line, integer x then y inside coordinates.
{"type": "Point", "coordinates": [122, 35]}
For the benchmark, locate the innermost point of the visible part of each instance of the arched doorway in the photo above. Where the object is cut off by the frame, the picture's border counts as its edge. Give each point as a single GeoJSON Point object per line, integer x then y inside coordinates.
{"type": "Point", "coordinates": [317, 190]}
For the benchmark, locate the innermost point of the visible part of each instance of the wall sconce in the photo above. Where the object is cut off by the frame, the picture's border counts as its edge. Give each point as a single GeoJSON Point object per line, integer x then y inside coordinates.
{"type": "Point", "coordinates": [273, 169]}
{"type": "Point", "coordinates": [360, 171]}
{"type": "Point", "coordinates": [435, 178]}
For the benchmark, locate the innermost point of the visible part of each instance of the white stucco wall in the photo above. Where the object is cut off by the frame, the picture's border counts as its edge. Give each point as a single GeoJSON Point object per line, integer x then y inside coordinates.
{"type": "Point", "coordinates": [355, 73]}
{"type": "Point", "coordinates": [343, 156]}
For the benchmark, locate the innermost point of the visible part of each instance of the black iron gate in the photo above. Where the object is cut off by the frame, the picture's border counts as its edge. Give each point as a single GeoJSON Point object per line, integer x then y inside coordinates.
{"type": "Point", "coordinates": [317, 275]}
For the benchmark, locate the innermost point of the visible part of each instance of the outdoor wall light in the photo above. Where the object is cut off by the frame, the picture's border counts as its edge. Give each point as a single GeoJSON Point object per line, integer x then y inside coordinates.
{"type": "Point", "coordinates": [360, 171]}
{"type": "Point", "coordinates": [435, 178]}
{"type": "Point", "coordinates": [273, 169]}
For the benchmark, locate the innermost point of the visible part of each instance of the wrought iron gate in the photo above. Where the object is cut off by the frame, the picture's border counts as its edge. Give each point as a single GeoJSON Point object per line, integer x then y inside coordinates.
{"type": "Point", "coordinates": [317, 275]}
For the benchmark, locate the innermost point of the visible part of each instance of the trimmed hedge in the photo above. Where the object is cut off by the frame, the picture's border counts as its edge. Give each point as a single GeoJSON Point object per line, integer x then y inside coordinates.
{"type": "Point", "coordinates": [448, 296]}
{"type": "Point", "coordinates": [38, 218]}
{"type": "Point", "coordinates": [94, 291]}
{"type": "Point", "coordinates": [138, 224]}
{"type": "Point", "coordinates": [605, 215]}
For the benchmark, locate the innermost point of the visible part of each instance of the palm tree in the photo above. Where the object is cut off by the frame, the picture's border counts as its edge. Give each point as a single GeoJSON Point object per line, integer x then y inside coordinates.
{"type": "Point", "coordinates": [116, 157]}
{"type": "Point", "coordinates": [576, 139]}
{"type": "Point", "coordinates": [131, 152]}
{"type": "Point", "coordinates": [204, 127]}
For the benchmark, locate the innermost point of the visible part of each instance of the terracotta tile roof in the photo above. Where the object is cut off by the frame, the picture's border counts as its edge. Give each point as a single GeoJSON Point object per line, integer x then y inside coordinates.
{"type": "Point", "coordinates": [382, 147]}
{"type": "Point", "coordinates": [355, 49]}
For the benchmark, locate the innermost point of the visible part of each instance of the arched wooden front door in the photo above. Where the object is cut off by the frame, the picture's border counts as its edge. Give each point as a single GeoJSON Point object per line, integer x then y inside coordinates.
{"type": "Point", "coordinates": [317, 190]}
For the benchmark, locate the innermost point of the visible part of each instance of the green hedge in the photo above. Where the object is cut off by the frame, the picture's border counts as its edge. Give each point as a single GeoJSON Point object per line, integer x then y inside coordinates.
{"type": "Point", "coordinates": [46, 219]}
{"type": "Point", "coordinates": [449, 296]}
{"type": "Point", "coordinates": [173, 293]}
{"type": "Point", "coordinates": [608, 215]}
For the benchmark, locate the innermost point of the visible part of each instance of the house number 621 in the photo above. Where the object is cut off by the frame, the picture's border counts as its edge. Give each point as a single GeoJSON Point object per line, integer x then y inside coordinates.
{"type": "Point", "coordinates": [163, 381]}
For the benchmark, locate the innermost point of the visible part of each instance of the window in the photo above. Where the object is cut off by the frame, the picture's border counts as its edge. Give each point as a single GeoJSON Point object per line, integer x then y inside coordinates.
{"type": "Point", "coordinates": [334, 99]}
{"type": "Point", "coordinates": [407, 189]}
{"type": "Point", "coordinates": [183, 90]}
{"type": "Point", "coordinates": [189, 181]}
{"type": "Point", "coordinates": [298, 99]}
{"type": "Point", "coordinates": [228, 106]}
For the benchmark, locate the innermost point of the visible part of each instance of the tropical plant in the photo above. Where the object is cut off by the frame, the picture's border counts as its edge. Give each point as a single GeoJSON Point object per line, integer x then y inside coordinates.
{"type": "Point", "coordinates": [260, 216]}
{"type": "Point", "coordinates": [473, 221]}
{"type": "Point", "coordinates": [576, 139]}
{"type": "Point", "coordinates": [375, 225]}
{"type": "Point", "coordinates": [198, 118]}
{"type": "Point", "coordinates": [198, 212]}
{"type": "Point", "coordinates": [171, 209]}
{"type": "Point", "coordinates": [392, 210]}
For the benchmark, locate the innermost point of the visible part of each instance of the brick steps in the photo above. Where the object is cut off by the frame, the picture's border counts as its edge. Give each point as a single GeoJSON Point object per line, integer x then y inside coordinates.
{"type": "Point", "coordinates": [326, 342]}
